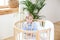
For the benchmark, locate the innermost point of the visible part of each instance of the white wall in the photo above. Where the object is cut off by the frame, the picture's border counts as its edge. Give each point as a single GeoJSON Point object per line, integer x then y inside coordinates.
{"type": "Point", "coordinates": [7, 24]}
{"type": "Point", "coordinates": [52, 10]}
{"type": "Point", "coordinates": [58, 11]}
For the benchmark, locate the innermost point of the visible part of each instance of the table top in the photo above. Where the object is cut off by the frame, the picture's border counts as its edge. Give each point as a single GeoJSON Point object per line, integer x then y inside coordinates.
{"type": "Point", "coordinates": [48, 24]}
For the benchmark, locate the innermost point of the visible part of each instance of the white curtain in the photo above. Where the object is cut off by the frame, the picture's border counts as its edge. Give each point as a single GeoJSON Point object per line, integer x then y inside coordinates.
{"type": "Point", "coordinates": [3, 2]}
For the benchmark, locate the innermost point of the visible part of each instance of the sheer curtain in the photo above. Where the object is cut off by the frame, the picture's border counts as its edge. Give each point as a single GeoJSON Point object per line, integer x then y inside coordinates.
{"type": "Point", "coordinates": [4, 2]}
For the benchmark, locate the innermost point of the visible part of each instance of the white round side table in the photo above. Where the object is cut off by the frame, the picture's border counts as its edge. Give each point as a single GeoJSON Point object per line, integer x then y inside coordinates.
{"type": "Point", "coordinates": [48, 28]}
{"type": "Point", "coordinates": [18, 30]}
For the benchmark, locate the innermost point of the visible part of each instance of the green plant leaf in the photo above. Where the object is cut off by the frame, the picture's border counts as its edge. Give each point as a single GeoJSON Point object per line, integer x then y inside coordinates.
{"type": "Point", "coordinates": [32, 7]}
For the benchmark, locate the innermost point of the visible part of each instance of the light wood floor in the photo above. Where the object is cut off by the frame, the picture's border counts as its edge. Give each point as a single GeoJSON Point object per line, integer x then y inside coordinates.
{"type": "Point", "coordinates": [57, 32]}
{"type": "Point", "coordinates": [10, 38]}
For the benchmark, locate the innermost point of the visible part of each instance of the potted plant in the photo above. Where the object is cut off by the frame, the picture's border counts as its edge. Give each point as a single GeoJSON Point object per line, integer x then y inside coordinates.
{"type": "Point", "coordinates": [34, 8]}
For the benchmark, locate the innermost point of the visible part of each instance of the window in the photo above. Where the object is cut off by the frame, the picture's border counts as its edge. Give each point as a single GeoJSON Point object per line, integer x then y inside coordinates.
{"type": "Point", "coordinates": [4, 2]}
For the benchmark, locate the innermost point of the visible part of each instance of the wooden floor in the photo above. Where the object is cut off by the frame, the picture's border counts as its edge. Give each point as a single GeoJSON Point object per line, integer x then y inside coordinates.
{"type": "Point", "coordinates": [10, 38]}
{"type": "Point", "coordinates": [57, 32]}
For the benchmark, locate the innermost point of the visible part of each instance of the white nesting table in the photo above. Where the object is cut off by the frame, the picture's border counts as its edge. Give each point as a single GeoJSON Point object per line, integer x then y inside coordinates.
{"type": "Point", "coordinates": [48, 24]}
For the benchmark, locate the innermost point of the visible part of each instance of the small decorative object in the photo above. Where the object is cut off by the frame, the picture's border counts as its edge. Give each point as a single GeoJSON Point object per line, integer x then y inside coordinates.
{"type": "Point", "coordinates": [34, 8]}
{"type": "Point", "coordinates": [13, 3]}
{"type": "Point", "coordinates": [29, 24]}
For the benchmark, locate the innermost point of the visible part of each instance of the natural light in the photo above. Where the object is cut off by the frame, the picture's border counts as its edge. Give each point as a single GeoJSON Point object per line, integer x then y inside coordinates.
{"type": "Point", "coordinates": [4, 2]}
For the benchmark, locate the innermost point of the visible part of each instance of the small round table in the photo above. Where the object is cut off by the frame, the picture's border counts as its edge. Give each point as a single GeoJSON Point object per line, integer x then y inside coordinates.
{"type": "Point", "coordinates": [48, 28]}
{"type": "Point", "coordinates": [18, 30]}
